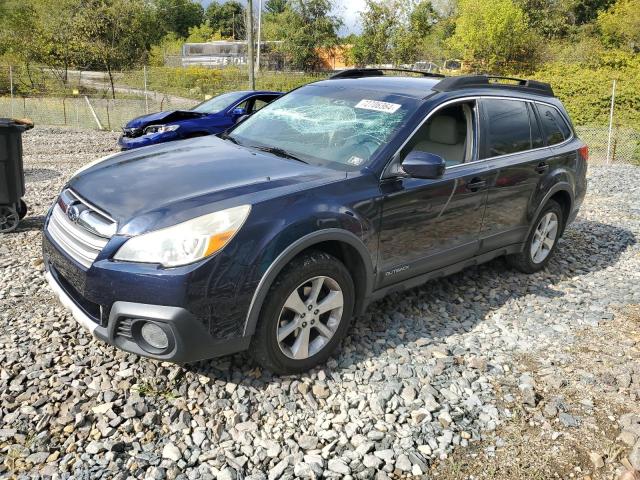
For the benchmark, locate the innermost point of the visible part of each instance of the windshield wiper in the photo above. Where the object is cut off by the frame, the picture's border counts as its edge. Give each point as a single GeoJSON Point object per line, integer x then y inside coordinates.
{"type": "Point", "coordinates": [279, 152]}
{"type": "Point", "coordinates": [226, 136]}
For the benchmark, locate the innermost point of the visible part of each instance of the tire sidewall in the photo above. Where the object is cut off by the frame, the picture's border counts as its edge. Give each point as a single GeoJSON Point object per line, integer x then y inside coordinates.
{"type": "Point", "coordinates": [292, 277]}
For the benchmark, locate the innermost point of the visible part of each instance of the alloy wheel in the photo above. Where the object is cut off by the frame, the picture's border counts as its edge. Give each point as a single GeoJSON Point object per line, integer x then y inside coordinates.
{"type": "Point", "coordinates": [310, 317]}
{"type": "Point", "coordinates": [544, 237]}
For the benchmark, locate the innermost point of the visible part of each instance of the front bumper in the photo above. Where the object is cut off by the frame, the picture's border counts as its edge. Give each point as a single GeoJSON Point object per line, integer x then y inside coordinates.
{"type": "Point", "coordinates": [112, 304]}
{"type": "Point", "coordinates": [129, 143]}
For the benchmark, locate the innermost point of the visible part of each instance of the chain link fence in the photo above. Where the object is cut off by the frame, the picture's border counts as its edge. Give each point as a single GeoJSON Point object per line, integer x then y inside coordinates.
{"type": "Point", "coordinates": [624, 146]}
{"type": "Point", "coordinates": [88, 112]}
{"type": "Point", "coordinates": [84, 100]}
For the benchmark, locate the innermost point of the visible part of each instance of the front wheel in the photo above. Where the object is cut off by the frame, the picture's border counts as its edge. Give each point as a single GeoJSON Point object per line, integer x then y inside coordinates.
{"type": "Point", "coordinates": [542, 240]}
{"type": "Point", "coordinates": [307, 313]}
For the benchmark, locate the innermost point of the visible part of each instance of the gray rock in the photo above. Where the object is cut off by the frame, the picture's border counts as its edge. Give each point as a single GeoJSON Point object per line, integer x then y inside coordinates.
{"type": "Point", "coordinates": [94, 447]}
{"type": "Point", "coordinates": [371, 461]}
{"type": "Point", "coordinates": [226, 474]}
{"type": "Point", "coordinates": [385, 455]}
{"type": "Point", "coordinates": [277, 471]}
{"type": "Point", "coordinates": [303, 470]}
{"type": "Point", "coordinates": [403, 463]}
{"type": "Point", "coordinates": [568, 420]}
{"type": "Point", "coordinates": [339, 466]}
{"type": "Point", "coordinates": [308, 442]}
{"type": "Point", "coordinates": [171, 452]}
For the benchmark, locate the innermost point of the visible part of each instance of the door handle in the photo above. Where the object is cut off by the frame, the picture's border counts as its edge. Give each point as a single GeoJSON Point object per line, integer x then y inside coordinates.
{"type": "Point", "coordinates": [476, 184]}
{"type": "Point", "coordinates": [542, 167]}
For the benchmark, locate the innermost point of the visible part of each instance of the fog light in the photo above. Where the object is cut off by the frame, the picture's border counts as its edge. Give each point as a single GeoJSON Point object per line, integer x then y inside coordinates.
{"type": "Point", "coordinates": [154, 335]}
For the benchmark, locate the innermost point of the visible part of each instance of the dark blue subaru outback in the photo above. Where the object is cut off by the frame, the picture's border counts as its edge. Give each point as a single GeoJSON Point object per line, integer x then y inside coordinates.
{"type": "Point", "coordinates": [275, 235]}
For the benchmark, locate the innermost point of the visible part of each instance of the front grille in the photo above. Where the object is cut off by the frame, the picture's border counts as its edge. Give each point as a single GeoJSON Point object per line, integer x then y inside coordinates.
{"type": "Point", "coordinates": [78, 229]}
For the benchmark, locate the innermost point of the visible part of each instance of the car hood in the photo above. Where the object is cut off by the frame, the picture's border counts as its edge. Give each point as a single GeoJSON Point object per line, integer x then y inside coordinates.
{"type": "Point", "coordinates": [162, 185]}
{"type": "Point", "coordinates": [162, 118]}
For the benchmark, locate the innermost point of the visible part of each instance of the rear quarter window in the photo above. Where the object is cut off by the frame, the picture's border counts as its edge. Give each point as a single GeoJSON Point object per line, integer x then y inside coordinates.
{"type": "Point", "coordinates": [556, 130]}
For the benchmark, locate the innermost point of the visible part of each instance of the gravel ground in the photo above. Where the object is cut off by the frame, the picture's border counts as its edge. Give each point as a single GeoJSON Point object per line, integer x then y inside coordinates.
{"type": "Point", "coordinates": [426, 372]}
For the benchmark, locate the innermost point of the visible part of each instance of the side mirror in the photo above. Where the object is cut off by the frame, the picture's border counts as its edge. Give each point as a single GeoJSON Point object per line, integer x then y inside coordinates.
{"type": "Point", "coordinates": [424, 165]}
{"type": "Point", "coordinates": [238, 112]}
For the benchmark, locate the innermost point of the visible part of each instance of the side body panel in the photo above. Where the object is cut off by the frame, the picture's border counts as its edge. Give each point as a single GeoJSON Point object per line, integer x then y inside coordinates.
{"type": "Point", "coordinates": [428, 224]}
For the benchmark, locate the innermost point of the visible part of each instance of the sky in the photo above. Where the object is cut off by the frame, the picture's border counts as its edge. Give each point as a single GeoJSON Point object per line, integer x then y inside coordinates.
{"type": "Point", "coordinates": [347, 10]}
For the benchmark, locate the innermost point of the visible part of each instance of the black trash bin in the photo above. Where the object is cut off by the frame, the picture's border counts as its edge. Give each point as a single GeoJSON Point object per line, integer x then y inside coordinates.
{"type": "Point", "coordinates": [12, 189]}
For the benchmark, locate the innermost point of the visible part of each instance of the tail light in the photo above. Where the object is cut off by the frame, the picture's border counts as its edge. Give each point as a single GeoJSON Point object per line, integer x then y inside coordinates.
{"type": "Point", "coordinates": [584, 153]}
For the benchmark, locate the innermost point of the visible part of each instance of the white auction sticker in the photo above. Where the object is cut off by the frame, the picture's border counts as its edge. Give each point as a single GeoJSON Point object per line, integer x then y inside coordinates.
{"type": "Point", "coordinates": [378, 106]}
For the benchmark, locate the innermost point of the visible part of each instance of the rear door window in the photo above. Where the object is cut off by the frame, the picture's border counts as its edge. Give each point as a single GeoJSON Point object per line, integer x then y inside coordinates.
{"type": "Point", "coordinates": [508, 129]}
{"type": "Point", "coordinates": [554, 126]}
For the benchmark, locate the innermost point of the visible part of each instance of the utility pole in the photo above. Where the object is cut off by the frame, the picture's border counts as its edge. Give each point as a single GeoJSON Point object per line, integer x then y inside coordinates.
{"type": "Point", "coordinates": [252, 75]}
{"type": "Point", "coordinates": [259, 35]}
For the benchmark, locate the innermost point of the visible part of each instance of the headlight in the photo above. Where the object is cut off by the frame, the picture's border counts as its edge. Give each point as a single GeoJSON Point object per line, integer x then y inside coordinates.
{"type": "Point", "coordinates": [160, 129]}
{"type": "Point", "coordinates": [186, 242]}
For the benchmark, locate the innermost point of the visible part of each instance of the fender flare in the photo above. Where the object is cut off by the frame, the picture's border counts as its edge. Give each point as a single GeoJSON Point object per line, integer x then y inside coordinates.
{"type": "Point", "coordinates": [558, 187]}
{"type": "Point", "coordinates": [331, 234]}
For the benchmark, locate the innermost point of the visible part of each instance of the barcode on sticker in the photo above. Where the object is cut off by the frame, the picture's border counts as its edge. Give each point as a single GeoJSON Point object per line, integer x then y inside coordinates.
{"type": "Point", "coordinates": [378, 106]}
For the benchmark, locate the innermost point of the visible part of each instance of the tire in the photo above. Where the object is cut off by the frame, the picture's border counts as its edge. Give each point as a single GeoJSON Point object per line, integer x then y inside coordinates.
{"type": "Point", "coordinates": [536, 255]}
{"type": "Point", "coordinates": [297, 321]}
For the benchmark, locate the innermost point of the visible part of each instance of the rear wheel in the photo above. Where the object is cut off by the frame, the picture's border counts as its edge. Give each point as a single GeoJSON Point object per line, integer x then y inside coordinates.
{"type": "Point", "coordinates": [309, 309]}
{"type": "Point", "coordinates": [542, 240]}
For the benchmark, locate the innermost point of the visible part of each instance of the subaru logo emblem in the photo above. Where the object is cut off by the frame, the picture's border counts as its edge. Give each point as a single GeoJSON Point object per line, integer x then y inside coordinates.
{"type": "Point", "coordinates": [73, 213]}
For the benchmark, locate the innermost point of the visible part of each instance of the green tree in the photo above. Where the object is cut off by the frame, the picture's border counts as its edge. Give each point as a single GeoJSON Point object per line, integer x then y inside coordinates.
{"type": "Point", "coordinates": [550, 18]}
{"type": "Point", "coordinates": [586, 11]}
{"type": "Point", "coordinates": [305, 27]}
{"type": "Point", "coordinates": [492, 35]}
{"type": "Point", "coordinates": [118, 34]}
{"type": "Point", "coordinates": [179, 15]}
{"type": "Point", "coordinates": [373, 46]}
{"type": "Point", "coordinates": [227, 18]}
{"type": "Point", "coordinates": [201, 33]}
{"type": "Point", "coordinates": [413, 31]}
{"type": "Point", "coordinates": [395, 31]}
{"type": "Point", "coordinates": [620, 25]}
{"type": "Point", "coordinates": [275, 6]}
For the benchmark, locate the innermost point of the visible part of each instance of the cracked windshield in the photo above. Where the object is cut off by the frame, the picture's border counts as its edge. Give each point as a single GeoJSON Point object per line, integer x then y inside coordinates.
{"type": "Point", "coordinates": [325, 126]}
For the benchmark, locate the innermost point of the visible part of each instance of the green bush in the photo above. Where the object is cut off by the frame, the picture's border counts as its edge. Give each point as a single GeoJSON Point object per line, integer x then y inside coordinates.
{"type": "Point", "coordinates": [196, 82]}
{"type": "Point", "coordinates": [586, 90]}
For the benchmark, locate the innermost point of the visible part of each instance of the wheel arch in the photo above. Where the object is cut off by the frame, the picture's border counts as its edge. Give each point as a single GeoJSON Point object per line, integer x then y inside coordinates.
{"type": "Point", "coordinates": [342, 244]}
{"type": "Point", "coordinates": [562, 193]}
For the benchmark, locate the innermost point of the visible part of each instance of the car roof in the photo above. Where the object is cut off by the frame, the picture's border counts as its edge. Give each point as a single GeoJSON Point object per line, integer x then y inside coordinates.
{"type": "Point", "coordinates": [258, 92]}
{"type": "Point", "coordinates": [425, 86]}
{"type": "Point", "coordinates": [415, 87]}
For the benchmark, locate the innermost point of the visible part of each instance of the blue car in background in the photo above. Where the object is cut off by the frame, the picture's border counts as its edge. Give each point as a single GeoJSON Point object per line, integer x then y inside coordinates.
{"type": "Point", "coordinates": [210, 117]}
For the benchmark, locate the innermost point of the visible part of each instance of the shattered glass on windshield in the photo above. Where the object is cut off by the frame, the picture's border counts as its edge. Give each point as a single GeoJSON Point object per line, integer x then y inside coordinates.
{"type": "Point", "coordinates": [321, 125]}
